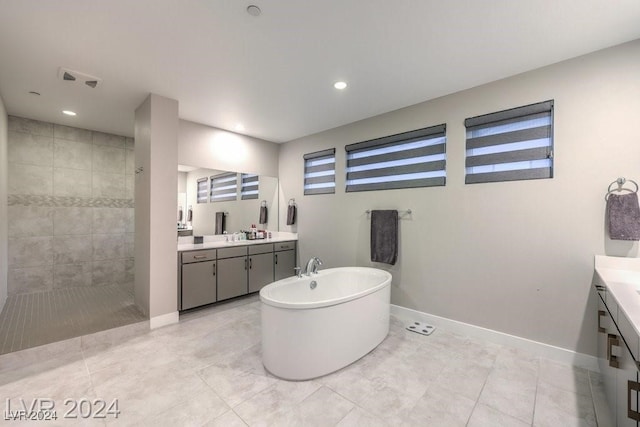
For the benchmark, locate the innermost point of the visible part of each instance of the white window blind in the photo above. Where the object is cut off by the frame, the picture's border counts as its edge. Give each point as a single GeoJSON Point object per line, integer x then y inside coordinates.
{"type": "Point", "coordinates": [320, 172]}
{"type": "Point", "coordinates": [224, 187]}
{"type": "Point", "coordinates": [510, 145]}
{"type": "Point", "coordinates": [250, 186]}
{"type": "Point", "coordinates": [407, 160]}
{"type": "Point", "coordinates": [202, 191]}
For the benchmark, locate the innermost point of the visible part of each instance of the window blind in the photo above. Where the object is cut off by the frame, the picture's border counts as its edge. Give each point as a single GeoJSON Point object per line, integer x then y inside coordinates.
{"type": "Point", "coordinates": [249, 186]}
{"type": "Point", "coordinates": [406, 160]}
{"type": "Point", "coordinates": [224, 187]}
{"type": "Point", "coordinates": [202, 190]}
{"type": "Point", "coordinates": [510, 145]}
{"type": "Point", "coordinates": [320, 172]}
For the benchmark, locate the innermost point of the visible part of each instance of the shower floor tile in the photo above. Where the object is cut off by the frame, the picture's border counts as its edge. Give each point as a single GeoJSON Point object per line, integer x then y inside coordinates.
{"type": "Point", "coordinates": [207, 370]}
{"type": "Point", "coordinates": [30, 320]}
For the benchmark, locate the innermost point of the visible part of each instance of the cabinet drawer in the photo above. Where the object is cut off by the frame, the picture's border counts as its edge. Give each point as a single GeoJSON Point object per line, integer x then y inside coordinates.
{"type": "Point", "coordinates": [197, 256]}
{"type": "Point", "coordinates": [261, 249]}
{"type": "Point", "coordinates": [232, 252]}
{"type": "Point", "coordinates": [285, 246]}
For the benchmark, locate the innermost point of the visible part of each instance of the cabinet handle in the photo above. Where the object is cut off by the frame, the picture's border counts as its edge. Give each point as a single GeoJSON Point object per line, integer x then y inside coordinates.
{"type": "Point", "coordinates": [250, 263]}
{"type": "Point", "coordinates": [276, 259]}
{"type": "Point", "coordinates": [245, 263]}
{"type": "Point", "coordinates": [600, 314]}
{"type": "Point", "coordinates": [214, 269]}
{"type": "Point", "coordinates": [199, 256]}
{"type": "Point", "coordinates": [635, 386]}
{"type": "Point", "coordinates": [600, 288]}
{"type": "Point", "coordinates": [611, 341]}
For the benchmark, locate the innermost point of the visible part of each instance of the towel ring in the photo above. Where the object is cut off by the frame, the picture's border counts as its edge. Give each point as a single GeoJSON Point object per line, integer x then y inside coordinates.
{"type": "Point", "coordinates": [292, 202]}
{"type": "Point", "coordinates": [263, 204]}
{"type": "Point", "coordinates": [620, 182]}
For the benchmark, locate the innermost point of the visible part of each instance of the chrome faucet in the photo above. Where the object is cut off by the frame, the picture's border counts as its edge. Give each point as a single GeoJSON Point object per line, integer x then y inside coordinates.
{"type": "Point", "coordinates": [312, 266]}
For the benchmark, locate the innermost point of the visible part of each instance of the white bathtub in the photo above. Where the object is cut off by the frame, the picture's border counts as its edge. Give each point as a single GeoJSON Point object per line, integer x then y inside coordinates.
{"type": "Point", "coordinates": [307, 333]}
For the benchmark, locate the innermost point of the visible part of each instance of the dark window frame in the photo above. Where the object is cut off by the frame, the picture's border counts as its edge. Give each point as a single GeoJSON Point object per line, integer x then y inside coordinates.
{"type": "Point", "coordinates": [413, 159]}
{"type": "Point", "coordinates": [325, 183]}
{"type": "Point", "coordinates": [249, 182]}
{"type": "Point", "coordinates": [202, 193]}
{"type": "Point", "coordinates": [216, 189]}
{"type": "Point", "coordinates": [528, 138]}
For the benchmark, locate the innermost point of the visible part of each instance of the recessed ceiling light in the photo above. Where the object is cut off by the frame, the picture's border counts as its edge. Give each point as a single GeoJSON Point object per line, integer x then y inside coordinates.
{"type": "Point", "coordinates": [254, 10]}
{"type": "Point", "coordinates": [340, 85]}
{"type": "Point", "coordinates": [68, 112]}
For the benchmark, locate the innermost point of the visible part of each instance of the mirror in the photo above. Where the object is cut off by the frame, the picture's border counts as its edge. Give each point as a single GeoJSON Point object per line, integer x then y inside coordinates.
{"type": "Point", "coordinates": [239, 213]}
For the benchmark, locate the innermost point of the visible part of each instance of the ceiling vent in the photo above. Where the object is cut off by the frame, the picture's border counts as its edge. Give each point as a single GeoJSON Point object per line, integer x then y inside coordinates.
{"type": "Point", "coordinates": [78, 77]}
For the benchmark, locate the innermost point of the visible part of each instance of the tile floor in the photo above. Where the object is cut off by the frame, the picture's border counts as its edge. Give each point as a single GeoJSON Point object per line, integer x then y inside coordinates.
{"type": "Point", "coordinates": [207, 371]}
{"type": "Point", "coordinates": [30, 320]}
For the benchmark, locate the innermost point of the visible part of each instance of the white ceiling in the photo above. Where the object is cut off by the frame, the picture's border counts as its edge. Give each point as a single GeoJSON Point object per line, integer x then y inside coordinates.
{"type": "Point", "coordinates": [275, 73]}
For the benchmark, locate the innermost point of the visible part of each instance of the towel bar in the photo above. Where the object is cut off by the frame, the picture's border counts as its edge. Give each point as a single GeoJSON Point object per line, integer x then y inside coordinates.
{"type": "Point", "coordinates": [407, 212]}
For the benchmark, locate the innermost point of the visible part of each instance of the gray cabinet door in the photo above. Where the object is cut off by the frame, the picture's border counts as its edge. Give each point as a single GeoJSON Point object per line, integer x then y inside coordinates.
{"type": "Point", "coordinates": [232, 277]}
{"type": "Point", "coordinates": [285, 262]}
{"type": "Point", "coordinates": [260, 271]}
{"type": "Point", "coordinates": [606, 328]}
{"type": "Point", "coordinates": [627, 375]}
{"type": "Point", "coordinates": [198, 284]}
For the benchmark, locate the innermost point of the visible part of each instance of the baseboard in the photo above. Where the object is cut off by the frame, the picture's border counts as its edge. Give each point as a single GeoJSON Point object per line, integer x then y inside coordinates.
{"type": "Point", "coordinates": [164, 320]}
{"type": "Point", "coordinates": [547, 351]}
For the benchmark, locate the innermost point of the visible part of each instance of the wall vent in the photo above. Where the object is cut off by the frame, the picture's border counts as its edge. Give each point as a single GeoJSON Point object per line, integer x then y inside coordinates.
{"type": "Point", "coordinates": [78, 77]}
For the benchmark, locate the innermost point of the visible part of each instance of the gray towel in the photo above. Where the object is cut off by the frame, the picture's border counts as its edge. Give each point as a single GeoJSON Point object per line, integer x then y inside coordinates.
{"type": "Point", "coordinates": [624, 216]}
{"type": "Point", "coordinates": [291, 215]}
{"type": "Point", "coordinates": [263, 215]}
{"type": "Point", "coordinates": [220, 222]}
{"type": "Point", "coordinates": [190, 215]}
{"type": "Point", "coordinates": [384, 236]}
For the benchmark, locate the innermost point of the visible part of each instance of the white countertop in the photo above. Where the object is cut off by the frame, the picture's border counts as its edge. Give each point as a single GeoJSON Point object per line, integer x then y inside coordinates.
{"type": "Point", "coordinates": [621, 276]}
{"type": "Point", "coordinates": [218, 241]}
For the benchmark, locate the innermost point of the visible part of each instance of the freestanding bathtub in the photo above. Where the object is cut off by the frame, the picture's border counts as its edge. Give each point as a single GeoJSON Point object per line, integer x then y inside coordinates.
{"type": "Point", "coordinates": [309, 331]}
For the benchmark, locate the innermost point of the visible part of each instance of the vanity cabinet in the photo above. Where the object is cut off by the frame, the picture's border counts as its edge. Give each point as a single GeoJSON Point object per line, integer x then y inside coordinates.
{"type": "Point", "coordinates": [260, 271]}
{"type": "Point", "coordinates": [284, 260]}
{"type": "Point", "coordinates": [232, 272]}
{"type": "Point", "coordinates": [618, 353]}
{"type": "Point", "coordinates": [198, 278]}
{"type": "Point", "coordinates": [209, 275]}
{"type": "Point", "coordinates": [627, 386]}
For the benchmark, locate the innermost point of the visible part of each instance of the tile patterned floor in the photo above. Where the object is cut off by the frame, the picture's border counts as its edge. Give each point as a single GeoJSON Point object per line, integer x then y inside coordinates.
{"type": "Point", "coordinates": [207, 371]}
{"type": "Point", "coordinates": [30, 320]}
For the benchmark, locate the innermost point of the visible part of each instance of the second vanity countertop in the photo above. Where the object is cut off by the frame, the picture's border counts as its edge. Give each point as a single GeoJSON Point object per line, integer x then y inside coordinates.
{"type": "Point", "coordinates": [218, 241]}
{"type": "Point", "coordinates": [621, 276]}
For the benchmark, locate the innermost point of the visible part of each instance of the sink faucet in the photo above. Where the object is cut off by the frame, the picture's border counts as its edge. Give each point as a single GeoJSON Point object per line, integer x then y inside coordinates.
{"type": "Point", "coordinates": [312, 266]}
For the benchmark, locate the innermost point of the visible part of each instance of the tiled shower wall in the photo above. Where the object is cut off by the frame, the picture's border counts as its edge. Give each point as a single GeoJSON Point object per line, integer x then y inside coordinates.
{"type": "Point", "coordinates": [70, 207]}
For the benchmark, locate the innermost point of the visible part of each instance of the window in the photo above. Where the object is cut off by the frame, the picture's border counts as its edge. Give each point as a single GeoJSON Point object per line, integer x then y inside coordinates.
{"type": "Point", "coordinates": [202, 190]}
{"type": "Point", "coordinates": [510, 145]}
{"type": "Point", "coordinates": [249, 188]}
{"type": "Point", "coordinates": [407, 160]}
{"type": "Point", "coordinates": [320, 172]}
{"type": "Point", "coordinates": [224, 187]}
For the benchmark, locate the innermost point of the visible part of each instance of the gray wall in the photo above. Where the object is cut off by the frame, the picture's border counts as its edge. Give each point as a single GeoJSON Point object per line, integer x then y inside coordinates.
{"type": "Point", "coordinates": [156, 149]}
{"type": "Point", "coordinates": [4, 175]}
{"type": "Point", "coordinates": [70, 214]}
{"type": "Point", "coordinates": [211, 148]}
{"type": "Point", "coordinates": [515, 257]}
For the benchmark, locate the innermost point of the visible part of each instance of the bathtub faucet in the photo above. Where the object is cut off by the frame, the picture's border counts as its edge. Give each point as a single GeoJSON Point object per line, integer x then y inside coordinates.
{"type": "Point", "coordinates": [312, 266]}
